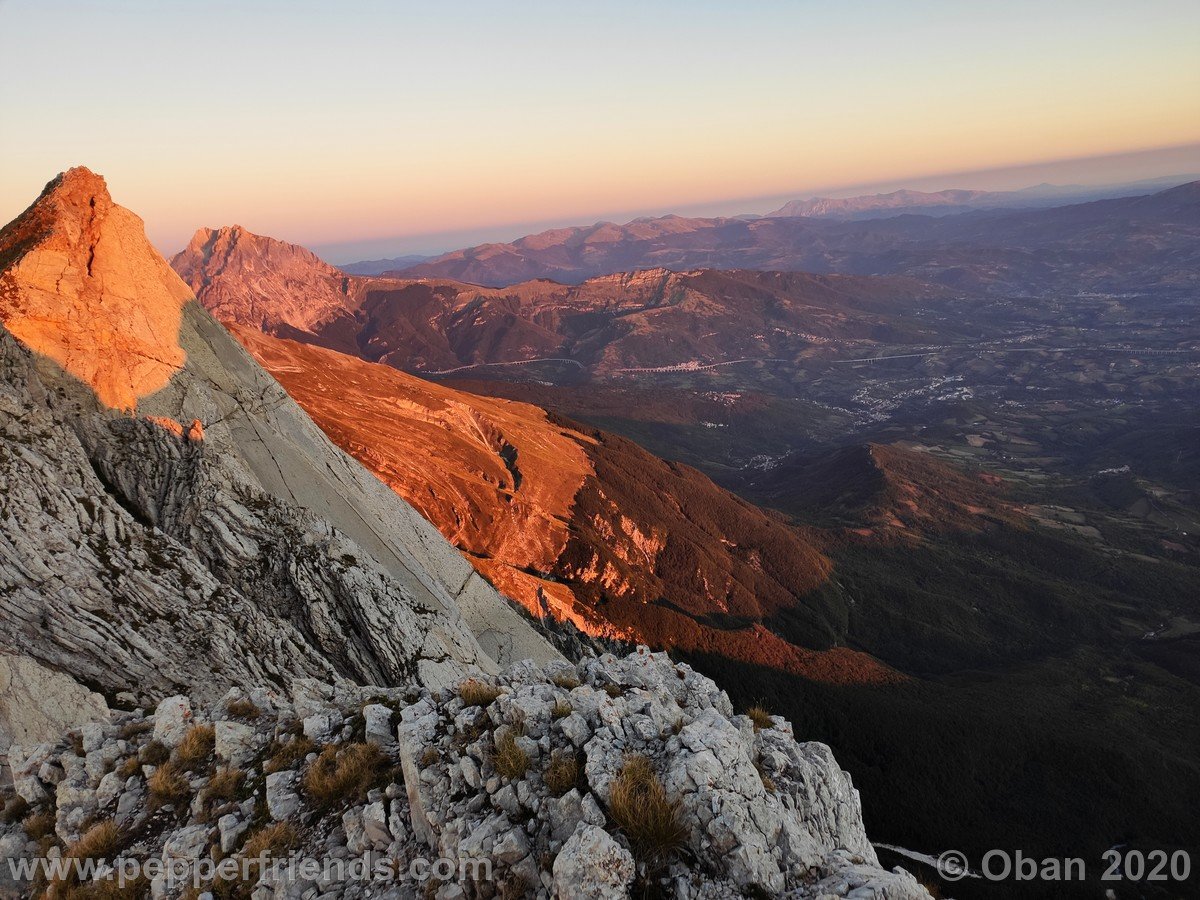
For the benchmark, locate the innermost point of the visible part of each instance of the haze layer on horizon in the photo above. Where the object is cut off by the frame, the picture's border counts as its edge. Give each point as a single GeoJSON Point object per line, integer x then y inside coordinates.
{"type": "Point", "coordinates": [339, 125]}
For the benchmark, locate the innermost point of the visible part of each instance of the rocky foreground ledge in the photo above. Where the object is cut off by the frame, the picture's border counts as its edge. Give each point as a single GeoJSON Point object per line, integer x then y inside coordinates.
{"type": "Point", "coordinates": [610, 778]}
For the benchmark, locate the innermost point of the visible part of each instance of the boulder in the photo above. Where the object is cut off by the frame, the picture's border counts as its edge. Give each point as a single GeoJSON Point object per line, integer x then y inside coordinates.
{"type": "Point", "coordinates": [591, 864]}
{"type": "Point", "coordinates": [172, 718]}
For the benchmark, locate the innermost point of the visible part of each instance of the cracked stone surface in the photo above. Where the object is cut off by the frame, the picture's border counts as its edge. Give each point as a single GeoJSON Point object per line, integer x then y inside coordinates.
{"type": "Point", "coordinates": [764, 815]}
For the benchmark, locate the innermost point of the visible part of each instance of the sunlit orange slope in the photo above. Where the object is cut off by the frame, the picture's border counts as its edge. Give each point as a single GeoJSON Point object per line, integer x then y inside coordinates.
{"type": "Point", "coordinates": [575, 524]}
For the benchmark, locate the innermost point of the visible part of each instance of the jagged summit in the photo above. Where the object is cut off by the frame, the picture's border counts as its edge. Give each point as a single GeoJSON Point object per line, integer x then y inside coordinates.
{"type": "Point", "coordinates": [217, 537]}
{"type": "Point", "coordinates": [249, 279]}
{"type": "Point", "coordinates": [82, 285]}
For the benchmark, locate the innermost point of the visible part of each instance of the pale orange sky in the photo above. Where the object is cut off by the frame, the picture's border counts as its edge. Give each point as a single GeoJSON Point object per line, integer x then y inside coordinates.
{"type": "Point", "coordinates": [342, 124]}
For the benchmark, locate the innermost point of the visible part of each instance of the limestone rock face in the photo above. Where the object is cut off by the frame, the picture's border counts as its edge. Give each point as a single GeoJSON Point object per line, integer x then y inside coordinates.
{"type": "Point", "coordinates": [763, 814]}
{"type": "Point", "coordinates": [144, 559]}
{"type": "Point", "coordinates": [38, 704]}
{"type": "Point", "coordinates": [80, 283]}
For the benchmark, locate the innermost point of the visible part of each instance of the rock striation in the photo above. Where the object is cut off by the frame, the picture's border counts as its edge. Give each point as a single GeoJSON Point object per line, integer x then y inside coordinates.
{"type": "Point", "coordinates": [355, 775]}
{"type": "Point", "coordinates": [140, 556]}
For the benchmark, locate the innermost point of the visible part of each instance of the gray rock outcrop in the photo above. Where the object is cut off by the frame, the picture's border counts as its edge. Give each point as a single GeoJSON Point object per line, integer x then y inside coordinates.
{"type": "Point", "coordinates": [758, 814]}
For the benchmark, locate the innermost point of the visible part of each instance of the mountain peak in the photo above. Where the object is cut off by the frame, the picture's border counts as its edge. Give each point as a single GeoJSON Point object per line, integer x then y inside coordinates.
{"type": "Point", "coordinates": [81, 285]}
{"type": "Point", "coordinates": [250, 279]}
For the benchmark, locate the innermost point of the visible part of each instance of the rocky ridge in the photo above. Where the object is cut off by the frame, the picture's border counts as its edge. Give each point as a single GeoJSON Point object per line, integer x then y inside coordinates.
{"type": "Point", "coordinates": [528, 771]}
{"type": "Point", "coordinates": [188, 534]}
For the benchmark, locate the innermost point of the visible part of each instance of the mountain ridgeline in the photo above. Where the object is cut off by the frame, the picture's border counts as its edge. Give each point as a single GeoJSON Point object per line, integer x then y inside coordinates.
{"type": "Point", "coordinates": [932, 547]}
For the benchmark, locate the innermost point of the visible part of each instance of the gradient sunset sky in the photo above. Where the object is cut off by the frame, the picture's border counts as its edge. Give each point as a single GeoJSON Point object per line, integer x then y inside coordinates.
{"type": "Point", "coordinates": [357, 127]}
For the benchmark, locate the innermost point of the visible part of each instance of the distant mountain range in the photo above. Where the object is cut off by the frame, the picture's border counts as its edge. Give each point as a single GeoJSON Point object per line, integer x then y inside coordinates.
{"type": "Point", "coordinates": [572, 253]}
{"type": "Point", "coordinates": [1120, 245]}
{"type": "Point", "coordinates": [646, 320]}
{"type": "Point", "coordinates": [942, 203]}
{"type": "Point", "coordinates": [379, 266]}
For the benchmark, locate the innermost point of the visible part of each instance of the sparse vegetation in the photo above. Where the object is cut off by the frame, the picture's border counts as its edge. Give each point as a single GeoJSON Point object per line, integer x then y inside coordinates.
{"type": "Point", "coordinates": [39, 825]}
{"type": "Point", "coordinates": [102, 842]}
{"type": "Point", "coordinates": [560, 710]}
{"type": "Point", "coordinates": [562, 773]}
{"type": "Point", "coordinates": [760, 716]}
{"type": "Point", "coordinates": [515, 886]}
{"type": "Point", "coordinates": [130, 767]}
{"type": "Point", "coordinates": [478, 693]}
{"type": "Point", "coordinates": [767, 780]}
{"type": "Point", "coordinates": [168, 784]}
{"type": "Point", "coordinates": [131, 730]}
{"type": "Point", "coordinates": [931, 885]}
{"type": "Point", "coordinates": [196, 749]}
{"type": "Point", "coordinates": [155, 753]}
{"type": "Point", "coordinates": [650, 818]}
{"type": "Point", "coordinates": [430, 756]}
{"type": "Point", "coordinates": [344, 774]}
{"type": "Point", "coordinates": [509, 759]}
{"type": "Point", "coordinates": [243, 708]}
{"type": "Point", "coordinates": [566, 682]}
{"type": "Point", "coordinates": [225, 785]}
{"type": "Point", "coordinates": [106, 889]}
{"type": "Point", "coordinates": [288, 755]}
{"type": "Point", "coordinates": [15, 810]}
{"type": "Point", "coordinates": [275, 840]}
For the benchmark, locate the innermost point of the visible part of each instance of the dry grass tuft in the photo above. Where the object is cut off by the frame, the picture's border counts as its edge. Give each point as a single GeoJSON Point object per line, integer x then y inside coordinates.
{"type": "Point", "coordinates": [562, 773]}
{"type": "Point", "coordinates": [102, 842]}
{"type": "Point", "coordinates": [560, 710]}
{"type": "Point", "coordinates": [225, 785]}
{"type": "Point", "coordinates": [767, 780]}
{"type": "Point", "coordinates": [130, 767]}
{"type": "Point", "coordinates": [168, 784]}
{"type": "Point", "coordinates": [345, 774]}
{"type": "Point", "coordinates": [760, 716]}
{"type": "Point", "coordinates": [275, 840]}
{"type": "Point", "coordinates": [932, 886]}
{"type": "Point", "coordinates": [130, 730]}
{"type": "Point", "coordinates": [196, 748]}
{"type": "Point", "coordinates": [649, 817]}
{"type": "Point", "coordinates": [430, 756]}
{"type": "Point", "coordinates": [243, 708]}
{"type": "Point", "coordinates": [106, 889]}
{"type": "Point", "coordinates": [16, 809]}
{"type": "Point", "coordinates": [508, 757]}
{"type": "Point", "coordinates": [40, 825]}
{"type": "Point", "coordinates": [478, 693]}
{"type": "Point", "coordinates": [566, 682]}
{"type": "Point", "coordinates": [515, 886]}
{"type": "Point", "coordinates": [155, 753]}
{"type": "Point", "coordinates": [289, 755]}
